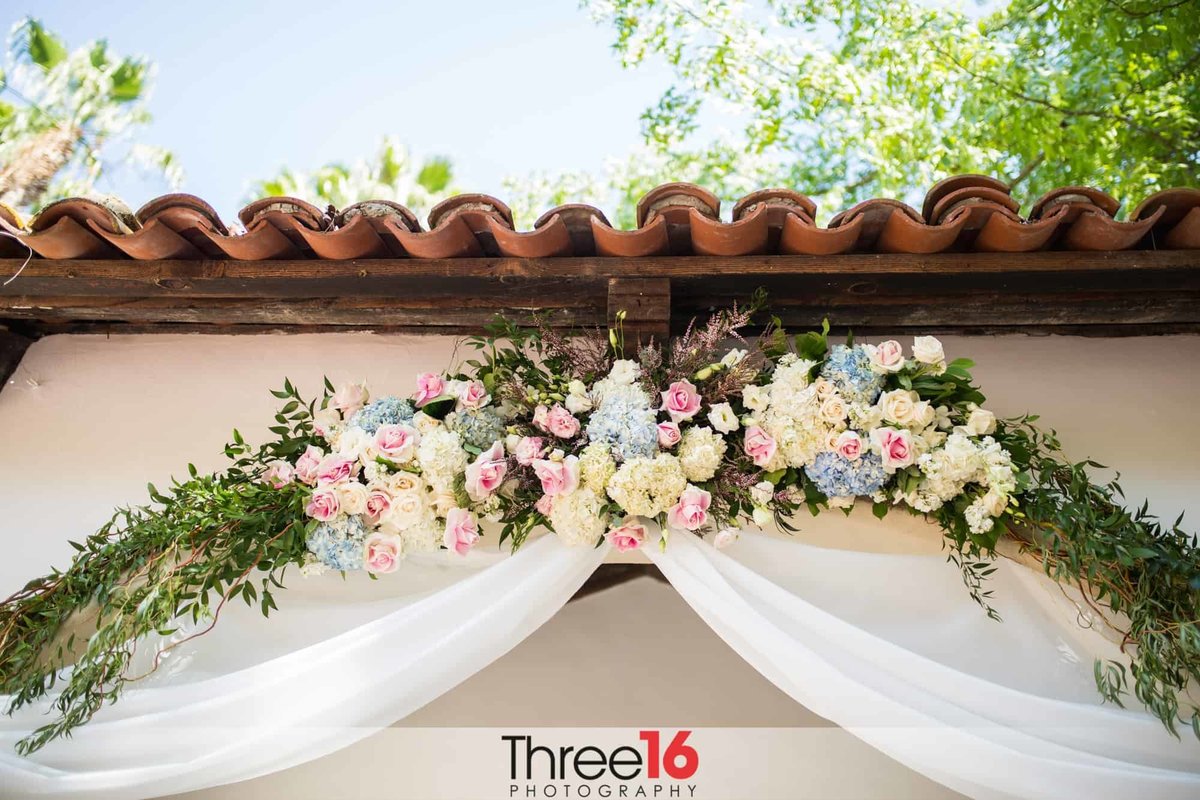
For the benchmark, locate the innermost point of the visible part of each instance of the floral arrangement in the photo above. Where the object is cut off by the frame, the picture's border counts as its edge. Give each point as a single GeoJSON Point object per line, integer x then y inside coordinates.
{"type": "Point", "coordinates": [597, 442]}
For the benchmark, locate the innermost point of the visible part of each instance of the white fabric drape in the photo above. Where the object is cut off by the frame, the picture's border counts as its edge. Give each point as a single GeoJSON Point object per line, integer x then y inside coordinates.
{"type": "Point", "coordinates": [891, 648]}
{"type": "Point", "coordinates": [333, 665]}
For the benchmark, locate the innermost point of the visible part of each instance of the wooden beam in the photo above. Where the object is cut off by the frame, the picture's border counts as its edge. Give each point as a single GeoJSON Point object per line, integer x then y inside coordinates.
{"type": "Point", "coordinates": [1127, 292]}
{"type": "Point", "coordinates": [646, 305]}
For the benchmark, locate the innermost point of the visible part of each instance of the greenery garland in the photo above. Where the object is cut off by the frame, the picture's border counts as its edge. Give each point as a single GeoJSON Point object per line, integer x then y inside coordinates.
{"type": "Point", "coordinates": [211, 539]}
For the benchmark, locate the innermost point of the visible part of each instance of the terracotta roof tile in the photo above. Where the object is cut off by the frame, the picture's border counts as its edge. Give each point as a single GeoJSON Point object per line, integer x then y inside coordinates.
{"type": "Point", "coordinates": [961, 213]}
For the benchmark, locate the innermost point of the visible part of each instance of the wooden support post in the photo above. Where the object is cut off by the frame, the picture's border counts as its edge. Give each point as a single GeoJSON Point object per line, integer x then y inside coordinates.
{"type": "Point", "coordinates": [12, 348]}
{"type": "Point", "coordinates": [647, 306]}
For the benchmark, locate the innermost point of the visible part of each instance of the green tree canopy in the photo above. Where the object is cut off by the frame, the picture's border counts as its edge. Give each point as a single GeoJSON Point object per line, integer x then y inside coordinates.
{"type": "Point", "coordinates": [849, 99]}
{"type": "Point", "coordinates": [64, 114]}
{"type": "Point", "coordinates": [391, 174]}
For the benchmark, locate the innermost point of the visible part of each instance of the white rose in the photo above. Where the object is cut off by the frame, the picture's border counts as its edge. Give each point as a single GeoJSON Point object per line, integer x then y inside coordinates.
{"type": "Point", "coordinates": [405, 482]}
{"type": "Point", "coordinates": [325, 420]}
{"type": "Point", "coordinates": [624, 372]}
{"type": "Point", "coordinates": [833, 410]}
{"type": "Point", "coordinates": [578, 403]}
{"type": "Point", "coordinates": [762, 492]}
{"type": "Point", "coordinates": [928, 350]}
{"type": "Point", "coordinates": [942, 414]}
{"type": "Point", "coordinates": [733, 358]}
{"type": "Point", "coordinates": [352, 496]}
{"type": "Point", "coordinates": [722, 418]}
{"type": "Point", "coordinates": [725, 537]}
{"type": "Point", "coordinates": [995, 503]}
{"type": "Point", "coordinates": [823, 388]}
{"type": "Point", "coordinates": [756, 398]}
{"type": "Point", "coordinates": [425, 423]}
{"type": "Point", "coordinates": [981, 422]}
{"type": "Point", "coordinates": [899, 406]}
{"type": "Point", "coordinates": [762, 517]}
{"type": "Point", "coordinates": [407, 509]}
{"type": "Point", "coordinates": [444, 503]}
{"type": "Point", "coordinates": [924, 414]}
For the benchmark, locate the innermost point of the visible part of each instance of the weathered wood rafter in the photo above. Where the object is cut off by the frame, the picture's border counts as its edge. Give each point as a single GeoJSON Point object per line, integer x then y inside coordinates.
{"type": "Point", "coordinates": [1107, 293]}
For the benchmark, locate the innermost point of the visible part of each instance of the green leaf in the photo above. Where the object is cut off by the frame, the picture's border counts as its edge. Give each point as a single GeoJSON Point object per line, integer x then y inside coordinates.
{"type": "Point", "coordinates": [43, 48]}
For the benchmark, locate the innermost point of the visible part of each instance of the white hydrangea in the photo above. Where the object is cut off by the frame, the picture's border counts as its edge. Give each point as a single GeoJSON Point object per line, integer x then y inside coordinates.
{"type": "Point", "coordinates": [977, 517]}
{"type": "Point", "coordinates": [958, 461]}
{"type": "Point", "coordinates": [794, 421]}
{"type": "Point", "coordinates": [596, 466]}
{"type": "Point", "coordinates": [577, 517]}
{"type": "Point", "coordinates": [646, 487]}
{"type": "Point", "coordinates": [424, 537]}
{"type": "Point", "coordinates": [700, 453]}
{"type": "Point", "coordinates": [442, 459]}
{"type": "Point", "coordinates": [623, 373]}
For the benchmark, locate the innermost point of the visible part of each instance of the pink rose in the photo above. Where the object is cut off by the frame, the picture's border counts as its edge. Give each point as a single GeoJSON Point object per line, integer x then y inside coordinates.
{"type": "Point", "coordinates": [382, 553]}
{"type": "Point", "coordinates": [324, 504]}
{"type": "Point", "coordinates": [486, 473]}
{"type": "Point", "coordinates": [691, 512]}
{"type": "Point", "coordinates": [848, 445]}
{"type": "Point", "coordinates": [336, 467]}
{"type": "Point", "coordinates": [350, 397]}
{"type": "Point", "coordinates": [561, 423]}
{"type": "Point", "coordinates": [895, 447]}
{"type": "Point", "coordinates": [429, 386]}
{"type": "Point", "coordinates": [629, 535]}
{"type": "Point", "coordinates": [759, 445]}
{"type": "Point", "coordinates": [279, 474]}
{"type": "Point", "coordinates": [541, 418]}
{"type": "Point", "coordinates": [887, 356]}
{"type": "Point", "coordinates": [379, 503]}
{"type": "Point", "coordinates": [544, 504]}
{"type": "Point", "coordinates": [668, 434]}
{"type": "Point", "coordinates": [473, 395]}
{"type": "Point", "coordinates": [558, 477]}
{"type": "Point", "coordinates": [397, 442]}
{"type": "Point", "coordinates": [681, 401]}
{"type": "Point", "coordinates": [528, 449]}
{"type": "Point", "coordinates": [462, 531]}
{"type": "Point", "coordinates": [306, 465]}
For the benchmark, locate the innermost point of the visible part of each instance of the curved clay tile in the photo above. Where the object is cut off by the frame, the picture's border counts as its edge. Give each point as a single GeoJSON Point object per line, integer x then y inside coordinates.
{"type": "Point", "coordinates": [547, 240]}
{"type": "Point", "coordinates": [374, 213]}
{"type": "Point", "coordinates": [1076, 198]}
{"type": "Point", "coordinates": [780, 204]}
{"type": "Point", "coordinates": [801, 237]}
{"type": "Point", "coordinates": [957, 183]}
{"type": "Point", "coordinates": [979, 204]}
{"type": "Point", "coordinates": [453, 238]}
{"type": "Point", "coordinates": [61, 230]}
{"type": "Point", "coordinates": [478, 211]}
{"type": "Point", "coordinates": [889, 226]}
{"type": "Point", "coordinates": [651, 239]}
{"type": "Point", "coordinates": [1002, 233]}
{"type": "Point", "coordinates": [746, 236]}
{"type": "Point", "coordinates": [1094, 230]}
{"type": "Point", "coordinates": [675, 202]}
{"type": "Point", "coordinates": [578, 219]}
{"type": "Point", "coordinates": [1179, 226]}
{"type": "Point", "coordinates": [358, 239]}
{"type": "Point", "coordinates": [152, 242]}
{"type": "Point", "coordinates": [189, 217]}
{"type": "Point", "coordinates": [289, 215]}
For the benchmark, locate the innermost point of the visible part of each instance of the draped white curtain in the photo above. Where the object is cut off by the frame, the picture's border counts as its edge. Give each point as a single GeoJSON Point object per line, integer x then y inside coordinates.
{"type": "Point", "coordinates": [338, 662]}
{"type": "Point", "coordinates": [887, 644]}
{"type": "Point", "coordinates": [888, 647]}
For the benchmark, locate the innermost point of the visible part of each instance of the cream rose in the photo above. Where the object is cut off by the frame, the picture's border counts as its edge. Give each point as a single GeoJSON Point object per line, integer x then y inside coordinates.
{"type": "Point", "coordinates": [353, 497]}
{"type": "Point", "coordinates": [833, 409]}
{"type": "Point", "coordinates": [899, 406]}
{"type": "Point", "coordinates": [981, 422]}
{"type": "Point", "coordinates": [928, 350]}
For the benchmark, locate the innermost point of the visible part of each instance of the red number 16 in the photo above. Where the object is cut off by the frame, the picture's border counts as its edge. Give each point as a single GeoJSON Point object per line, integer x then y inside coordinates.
{"type": "Point", "coordinates": [678, 750]}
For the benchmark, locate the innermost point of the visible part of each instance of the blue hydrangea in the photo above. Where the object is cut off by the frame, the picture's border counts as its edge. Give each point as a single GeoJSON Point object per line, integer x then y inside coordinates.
{"type": "Point", "coordinates": [849, 369]}
{"type": "Point", "coordinates": [338, 544]}
{"type": "Point", "coordinates": [626, 423]}
{"type": "Point", "coordinates": [837, 476]}
{"type": "Point", "coordinates": [384, 411]}
{"type": "Point", "coordinates": [477, 428]}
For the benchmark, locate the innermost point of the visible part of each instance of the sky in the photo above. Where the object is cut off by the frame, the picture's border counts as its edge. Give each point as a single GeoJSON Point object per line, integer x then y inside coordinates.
{"type": "Point", "coordinates": [245, 88]}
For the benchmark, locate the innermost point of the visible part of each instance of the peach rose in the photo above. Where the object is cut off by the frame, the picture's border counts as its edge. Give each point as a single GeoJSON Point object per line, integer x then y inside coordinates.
{"type": "Point", "coordinates": [350, 397]}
